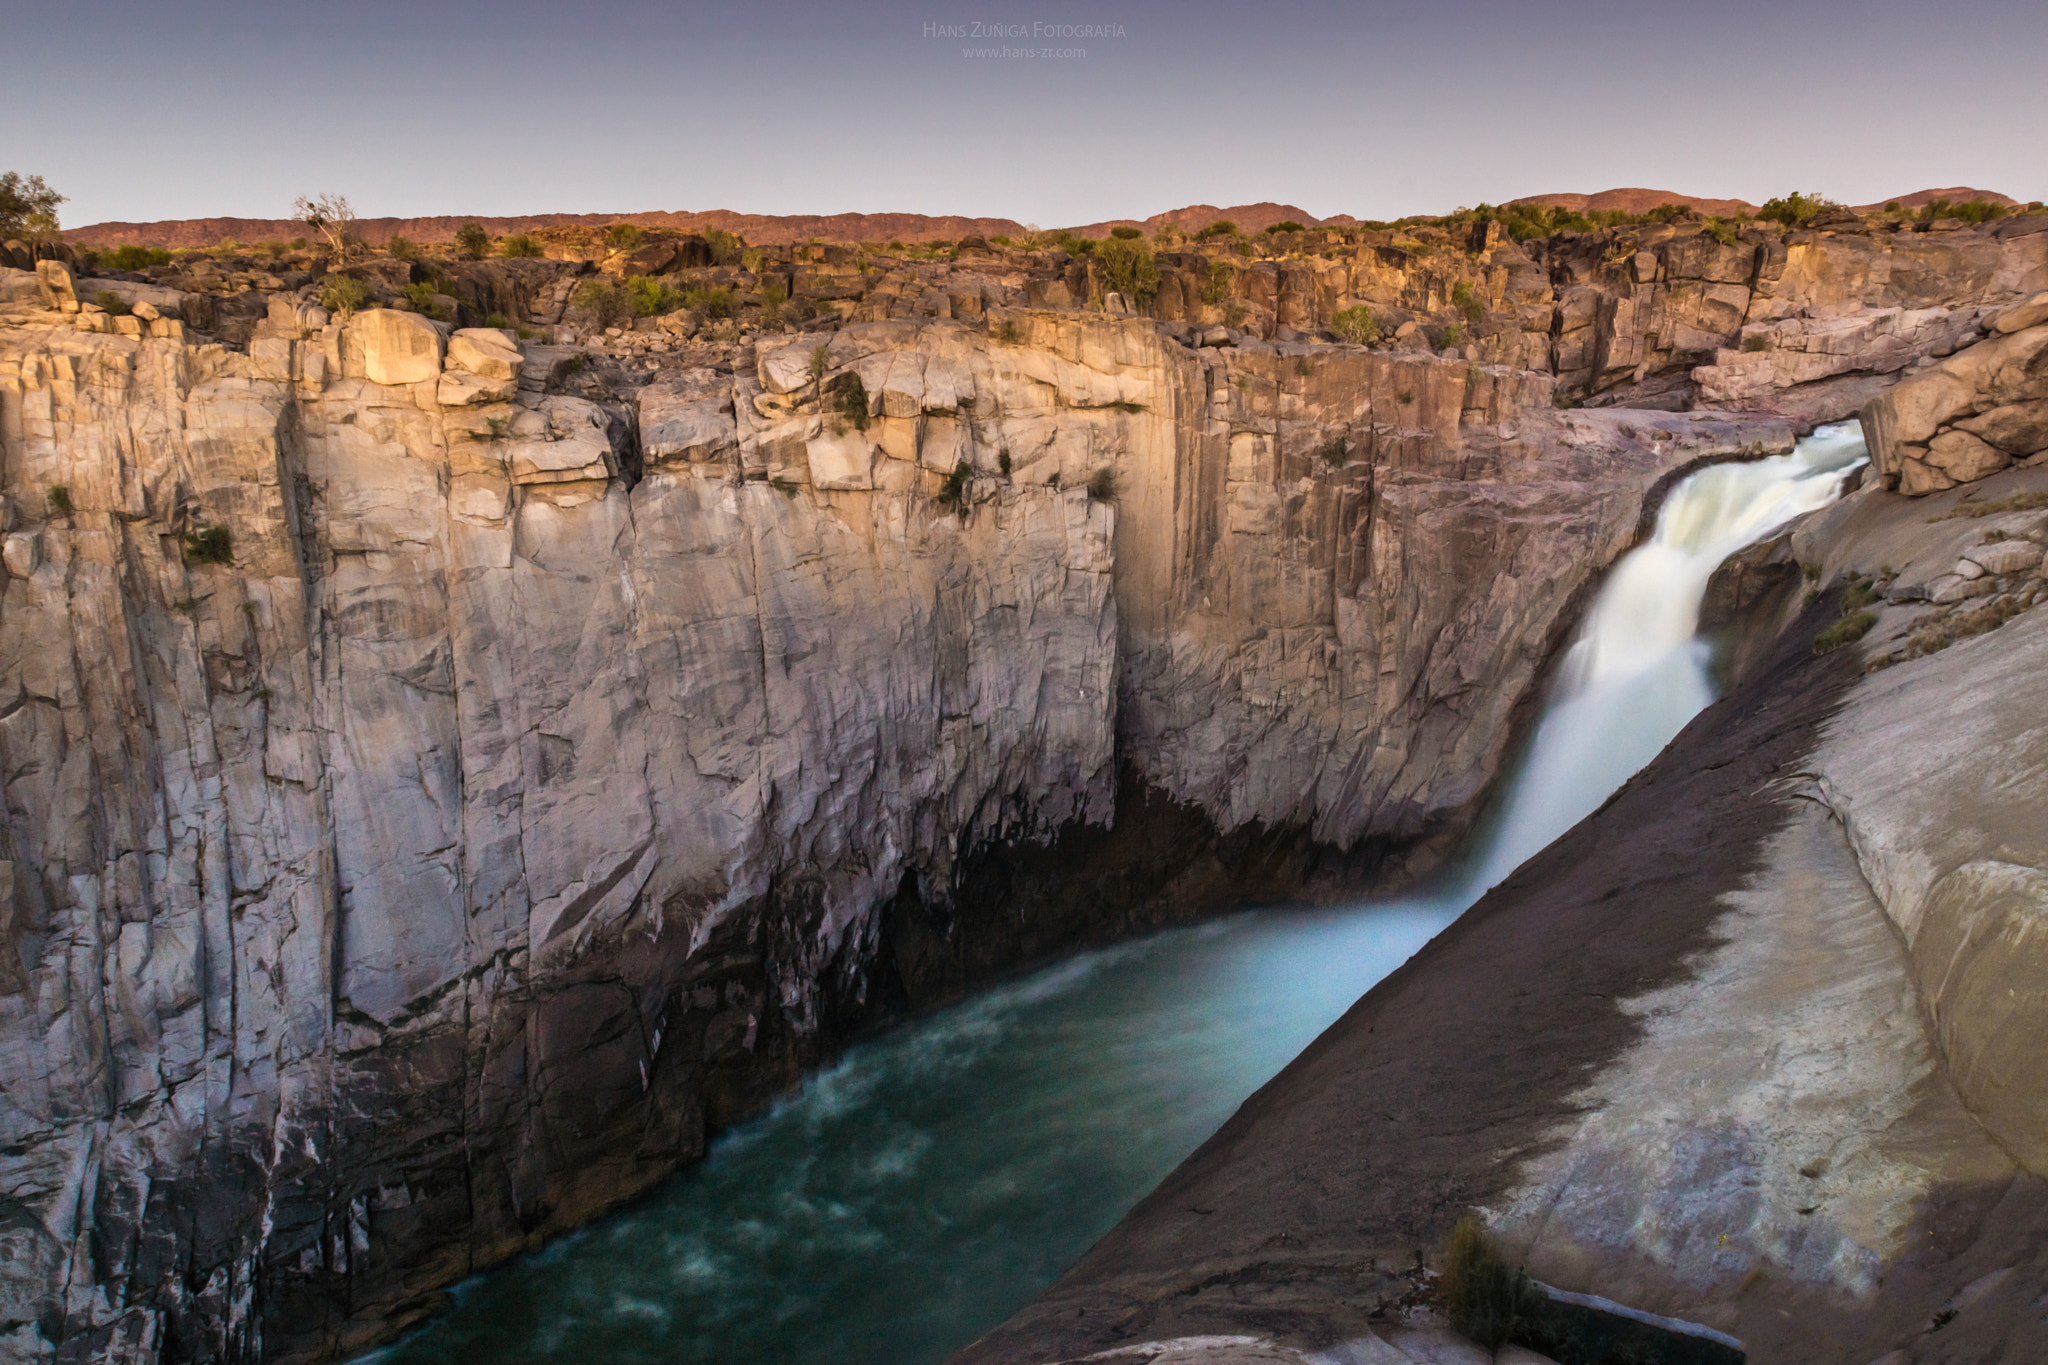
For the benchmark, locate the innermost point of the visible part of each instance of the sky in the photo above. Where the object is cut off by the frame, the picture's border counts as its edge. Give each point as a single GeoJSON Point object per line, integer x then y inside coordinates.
{"type": "Point", "coordinates": [151, 109]}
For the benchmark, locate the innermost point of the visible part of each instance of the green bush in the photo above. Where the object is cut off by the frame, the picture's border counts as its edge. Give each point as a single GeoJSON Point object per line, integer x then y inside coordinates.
{"type": "Point", "coordinates": [472, 241]}
{"type": "Point", "coordinates": [1222, 227]}
{"type": "Point", "coordinates": [1335, 452]}
{"type": "Point", "coordinates": [342, 295]}
{"type": "Point", "coordinates": [724, 246]}
{"type": "Point", "coordinates": [623, 235]}
{"type": "Point", "coordinates": [58, 497]}
{"type": "Point", "coordinates": [499, 321]}
{"type": "Point", "coordinates": [1845, 631]}
{"type": "Point", "coordinates": [712, 300]}
{"type": "Point", "coordinates": [403, 248]}
{"type": "Point", "coordinates": [851, 398]}
{"type": "Point", "coordinates": [521, 245]}
{"type": "Point", "coordinates": [1454, 335]}
{"type": "Point", "coordinates": [209, 545]}
{"type": "Point", "coordinates": [1722, 230]}
{"type": "Point", "coordinates": [136, 257]}
{"type": "Point", "coordinates": [1127, 267]}
{"type": "Point", "coordinates": [28, 207]}
{"type": "Point", "coordinates": [1126, 234]}
{"type": "Point", "coordinates": [1288, 226]}
{"type": "Point", "coordinates": [651, 297]}
{"type": "Point", "coordinates": [953, 492]}
{"type": "Point", "coordinates": [1467, 302]}
{"type": "Point", "coordinates": [1102, 485]}
{"type": "Point", "coordinates": [1356, 325]}
{"type": "Point", "coordinates": [608, 302]}
{"type": "Point", "coordinates": [111, 302]}
{"type": "Point", "coordinates": [1796, 209]}
{"type": "Point", "coordinates": [774, 300]}
{"type": "Point", "coordinates": [1756, 341]}
{"type": "Point", "coordinates": [1217, 287]}
{"type": "Point", "coordinates": [1485, 1300]}
{"type": "Point", "coordinates": [1405, 397]}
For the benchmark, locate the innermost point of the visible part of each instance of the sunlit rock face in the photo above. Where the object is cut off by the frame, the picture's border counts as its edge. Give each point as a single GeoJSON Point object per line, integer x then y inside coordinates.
{"type": "Point", "coordinates": [442, 778]}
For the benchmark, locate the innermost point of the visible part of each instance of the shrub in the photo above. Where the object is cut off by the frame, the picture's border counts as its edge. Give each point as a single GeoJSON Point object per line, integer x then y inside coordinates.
{"type": "Point", "coordinates": [1756, 341]}
{"type": "Point", "coordinates": [1356, 325]}
{"type": "Point", "coordinates": [650, 297]}
{"type": "Point", "coordinates": [1859, 592]}
{"type": "Point", "coordinates": [1796, 209]}
{"type": "Point", "coordinates": [1127, 267]}
{"type": "Point", "coordinates": [1485, 1300]}
{"type": "Point", "coordinates": [1217, 287]}
{"type": "Point", "coordinates": [1467, 302]}
{"type": "Point", "coordinates": [403, 248]}
{"type": "Point", "coordinates": [421, 296]}
{"type": "Point", "coordinates": [774, 300]}
{"type": "Point", "coordinates": [724, 246]}
{"type": "Point", "coordinates": [1011, 334]}
{"type": "Point", "coordinates": [136, 257]}
{"type": "Point", "coordinates": [520, 245]}
{"type": "Point", "coordinates": [1844, 631]}
{"type": "Point", "coordinates": [1235, 312]}
{"type": "Point", "coordinates": [1102, 485]}
{"type": "Point", "coordinates": [1454, 335]}
{"type": "Point", "coordinates": [209, 545]}
{"type": "Point", "coordinates": [111, 301]}
{"type": "Point", "coordinates": [499, 321]}
{"type": "Point", "coordinates": [623, 235]}
{"type": "Point", "coordinates": [1222, 227]}
{"type": "Point", "coordinates": [59, 499]}
{"type": "Point", "coordinates": [472, 241]}
{"type": "Point", "coordinates": [1288, 226]}
{"type": "Point", "coordinates": [608, 303]}
{"type": "Point", "coordinates": [1334, 452]}
{"type": "Point", "coordinates": [852, 399]}
{"type": "Point", "coordinates": [1126, 234]}
{"type": "Point", "coordinates": [953, 492]}
{"type": "Point", "coordinates": [712, 300]}
{"type": "Point", "coordinates": [752, 259]}
{"type": "Point", "coordinates": [342, 295]}
{"type": "Point", "coordinates": [1722, 231]}
{"type": "Point", "coordinates": [1405, 397]}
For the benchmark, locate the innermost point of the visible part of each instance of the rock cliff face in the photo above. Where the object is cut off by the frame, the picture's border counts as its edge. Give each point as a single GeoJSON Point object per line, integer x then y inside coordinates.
{"type": "Point", "coordinates": [444, 776]}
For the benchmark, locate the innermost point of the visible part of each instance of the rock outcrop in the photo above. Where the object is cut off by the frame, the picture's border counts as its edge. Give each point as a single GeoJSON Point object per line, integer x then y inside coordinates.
{"type": "Point", "coordinates": [1977, 412]}
{"type": "Point", "coordinates": [1752, 1046]}
{"type": "Point", "coordinates": [447, 774]}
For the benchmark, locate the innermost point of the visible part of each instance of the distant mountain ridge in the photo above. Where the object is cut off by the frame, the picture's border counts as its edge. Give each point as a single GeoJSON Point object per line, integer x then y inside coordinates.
{"type": "Point", "coordinates": [769, 229]}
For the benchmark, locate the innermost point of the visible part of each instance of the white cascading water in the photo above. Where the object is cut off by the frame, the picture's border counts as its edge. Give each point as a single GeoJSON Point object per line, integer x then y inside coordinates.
{"type": "Point", "coordinates": [941, 1174]}
{"type": "Point", "coordinates": [1638, 670]}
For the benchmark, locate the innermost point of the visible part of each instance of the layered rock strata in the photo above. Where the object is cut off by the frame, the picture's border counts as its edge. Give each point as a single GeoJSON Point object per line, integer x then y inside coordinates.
{"type": "Point", "coordinates": [446, 775]}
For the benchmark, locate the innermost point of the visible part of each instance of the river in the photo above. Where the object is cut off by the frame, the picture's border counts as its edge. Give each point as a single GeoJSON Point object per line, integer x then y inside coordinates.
{"type": "Point", "coordinates": [943, 1172]}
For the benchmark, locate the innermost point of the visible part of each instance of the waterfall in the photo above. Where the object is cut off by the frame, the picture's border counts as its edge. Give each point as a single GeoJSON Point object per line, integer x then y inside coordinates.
{"type": "Point", "coordinates": [939, 1175]}
{"type": "Point", "coordinates": [1638, 671]}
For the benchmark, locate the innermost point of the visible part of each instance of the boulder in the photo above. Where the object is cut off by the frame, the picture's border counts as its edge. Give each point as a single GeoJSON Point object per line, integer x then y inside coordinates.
{"type": "Point", "coordinates": [841, 462]}
{"type": "Point", "coordinates": [485, 351]}
{"type": "Point", "coordinates": [2005, 557]}
{"type": "Point", "coordinates": [58, 289]}
{"type": "Point", "coordinates": [2016, 428]}
{"type": "Point", "coordinates": [688, 416]}
{"type": "Point", "coordinates": [574, 444]}
{"type": "Point", "coordinates": [2021, 316]}
{"type": "Point", "coordinates": [1964, 457]}
{"type": "Point", "coordinates": [397, 348]}
{"type": "Point", "coordinates": [21, 552]}
{"type": "Point", "coordinates": [461, 389]}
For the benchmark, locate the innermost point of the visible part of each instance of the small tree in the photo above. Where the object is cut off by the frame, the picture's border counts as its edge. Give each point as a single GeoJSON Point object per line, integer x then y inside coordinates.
{"type": "Point", "coordinates": [28, 207]}
{"type": "Point", "coordinates": [1356, 325]}
{"type": "Point", "coordinates": [1127, 267]}
{"type": "Point", "coordinates": [609, 303]}
{"type": "Point", "coordinates": [342, 295]}
{"type": "Point", "coordinates": [521, 245]}
{"type": "Point", "coordinates": [472, 241]}
{"type": "Point", "coordinates": [332, 217]}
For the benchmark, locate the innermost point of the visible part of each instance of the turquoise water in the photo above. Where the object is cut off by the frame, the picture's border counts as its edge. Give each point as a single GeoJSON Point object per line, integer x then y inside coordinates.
{"type": "Point", "coordinates": [942, 1174]}
{"type": "Point", "coordinates": [916, 1194]}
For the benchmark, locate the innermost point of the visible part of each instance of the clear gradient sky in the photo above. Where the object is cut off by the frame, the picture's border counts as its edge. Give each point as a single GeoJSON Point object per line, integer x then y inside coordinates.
{"type": "Point", "coordinates": [149, 109]}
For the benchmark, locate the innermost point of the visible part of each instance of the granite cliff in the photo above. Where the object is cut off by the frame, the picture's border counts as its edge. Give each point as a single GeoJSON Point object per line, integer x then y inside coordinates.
{"type": "Point", "coordinates": [447, 774]}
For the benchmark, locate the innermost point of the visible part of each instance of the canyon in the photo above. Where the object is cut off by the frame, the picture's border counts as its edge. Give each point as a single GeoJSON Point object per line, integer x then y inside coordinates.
{"type": "Point", "coordinates": [453, 769]}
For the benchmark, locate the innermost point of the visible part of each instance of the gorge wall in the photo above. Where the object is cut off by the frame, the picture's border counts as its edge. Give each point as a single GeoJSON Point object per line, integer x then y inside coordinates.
{"type": "Point", "coordinates": [445, 776]}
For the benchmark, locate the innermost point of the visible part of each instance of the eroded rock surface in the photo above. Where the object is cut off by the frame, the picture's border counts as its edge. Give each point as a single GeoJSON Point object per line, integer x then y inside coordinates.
{"type": "Point", "coordinates": [444, 778]}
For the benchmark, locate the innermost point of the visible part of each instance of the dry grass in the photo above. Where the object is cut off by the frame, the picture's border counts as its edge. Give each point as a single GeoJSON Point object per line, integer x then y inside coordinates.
{"type": "Point", "coordinates": [2019, 502]}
